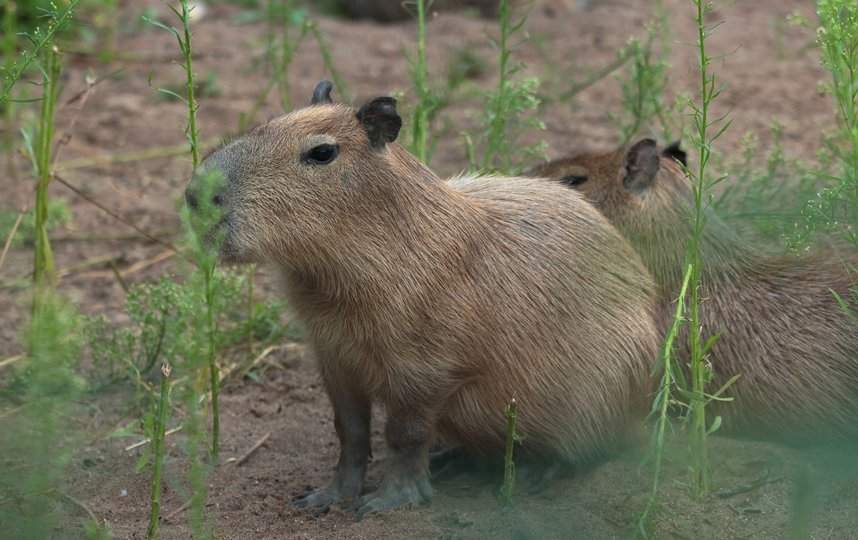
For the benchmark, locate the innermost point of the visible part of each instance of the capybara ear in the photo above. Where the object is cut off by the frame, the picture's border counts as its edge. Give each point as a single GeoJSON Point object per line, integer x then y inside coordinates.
{"type": "Point", "coordinates": [641, 163]}
{"type": "Point", "coordinates": [322, 93]}
{"type": "Point", "coordinates": [675, 152]}
{"type": "Point", "coordinates": [380, 120]}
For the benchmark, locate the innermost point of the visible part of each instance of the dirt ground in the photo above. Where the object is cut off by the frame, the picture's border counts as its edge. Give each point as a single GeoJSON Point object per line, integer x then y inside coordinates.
{"type": "Point", "coordinates": [773, 73]}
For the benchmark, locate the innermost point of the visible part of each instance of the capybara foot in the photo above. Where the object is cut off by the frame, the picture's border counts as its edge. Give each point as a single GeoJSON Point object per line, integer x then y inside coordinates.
{"type": "Point", "coordinates": [392, 494]}
{"type": "Point", "coordinates": [321, 499]}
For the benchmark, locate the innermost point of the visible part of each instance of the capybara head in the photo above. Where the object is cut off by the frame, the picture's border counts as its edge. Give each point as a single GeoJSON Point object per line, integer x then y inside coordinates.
{"type": "Point", "coordinates": [287, 183]}
{"type": "Point", "coordinates": [619, 183]}
{"type": "Point", "coordinates": [647, 195]}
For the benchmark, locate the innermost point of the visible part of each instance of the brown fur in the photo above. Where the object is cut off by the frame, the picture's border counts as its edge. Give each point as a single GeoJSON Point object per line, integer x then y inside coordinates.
{"type": "Point", "coordinates": [781, 327]}
{"type": "Point", "coordinates": [441, 300]}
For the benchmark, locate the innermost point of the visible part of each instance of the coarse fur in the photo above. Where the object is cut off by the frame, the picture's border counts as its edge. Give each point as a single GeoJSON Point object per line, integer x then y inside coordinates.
{"type": "Point", "coordinates": [781, 327]}
{"type": "Point", "coordinates": [440, 300]}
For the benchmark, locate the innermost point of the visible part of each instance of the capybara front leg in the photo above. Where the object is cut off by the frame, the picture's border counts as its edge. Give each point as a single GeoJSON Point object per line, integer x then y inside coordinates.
{"type": "Point", "coordinates": [352, 422]}
{"type": "Point", "coordinates": [406, 478]}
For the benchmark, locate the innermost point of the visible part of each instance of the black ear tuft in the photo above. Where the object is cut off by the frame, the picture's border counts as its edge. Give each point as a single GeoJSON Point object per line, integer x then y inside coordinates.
{"type": "Point", "coordinates": [673, 151]}
{"type": "Point", "coordinates": [641, 163]}
{"type": "Point", "coordinates": [322, 93]}
{"type": "Point", "coordinates": [380, 120]}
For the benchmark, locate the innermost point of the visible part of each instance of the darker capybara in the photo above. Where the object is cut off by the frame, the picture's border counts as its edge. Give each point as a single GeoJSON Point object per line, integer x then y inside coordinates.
{"type": "Point", "coordinates": [782, 329]}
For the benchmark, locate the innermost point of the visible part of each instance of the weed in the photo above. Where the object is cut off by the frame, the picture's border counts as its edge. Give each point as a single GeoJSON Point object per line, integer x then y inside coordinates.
{"type": "Point", "coordinates": [9, 50]}
{"type": "Point", "coordinates": [767, 199]}
{"type": "Point", "coordinates": [419, 78]}
{"type": "Point", "coordinates": [671, 375]}
{"type": "Point", "coordinates": [41, 39]}
{"type": "Point", "coordinates": [38, 433]}
{"type": "Point", "coordinates": [43, 266]}
{"type": "Point", "coordinates": [507, 111]}
{"type": "Point", "coordinates": [158, 458]}
{"type": "Point", "coordinates": [430, 99]}
{"type": "Point", "coordinates": [281, 51]}
{"type": "Point", "coordinates": [836, 206]}
{"type": "Point", "coordinates": [646, 79]}
{"type": "Point", "coordinates": [508, 486]}
{"type": "Point", "coordinates": [59, 214]}
{"type": "Point", "coordinates": [701, 186]}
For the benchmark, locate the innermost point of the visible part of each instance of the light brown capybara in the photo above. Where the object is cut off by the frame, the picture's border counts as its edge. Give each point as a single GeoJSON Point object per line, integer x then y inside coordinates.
{"type": "Point", "coordinates": [441, 300]}
{"type": "Point", "coordinates": [781, 327]}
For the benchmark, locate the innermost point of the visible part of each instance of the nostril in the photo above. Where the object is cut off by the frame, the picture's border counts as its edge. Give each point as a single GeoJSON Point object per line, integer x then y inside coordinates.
{"type": "Point", "coordinates": [190, 199]}
{"type": "Point", "coordinates": [217, 200]}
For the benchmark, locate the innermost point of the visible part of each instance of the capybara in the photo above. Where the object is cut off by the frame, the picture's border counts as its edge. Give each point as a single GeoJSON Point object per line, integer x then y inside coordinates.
{"type": "Point", "coordinates": [781, 326]}
{"type": "Point", "coordinates": [441, 300]}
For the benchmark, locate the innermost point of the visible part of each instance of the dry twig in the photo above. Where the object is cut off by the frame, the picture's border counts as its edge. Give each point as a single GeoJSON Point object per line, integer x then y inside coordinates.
{"type": "Point", "coordinates": [252, 449]}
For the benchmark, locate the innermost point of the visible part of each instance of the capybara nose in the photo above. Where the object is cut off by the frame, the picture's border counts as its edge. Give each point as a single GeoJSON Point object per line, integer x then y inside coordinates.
{"type": "Point", "coordinates": [191, 199]}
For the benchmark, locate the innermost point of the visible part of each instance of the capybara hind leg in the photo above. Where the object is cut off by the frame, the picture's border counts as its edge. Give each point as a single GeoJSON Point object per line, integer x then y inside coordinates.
{"type": "Point", "coordinates": [406, 478]}
{"type": "Point", "coordinates": [352, 423]}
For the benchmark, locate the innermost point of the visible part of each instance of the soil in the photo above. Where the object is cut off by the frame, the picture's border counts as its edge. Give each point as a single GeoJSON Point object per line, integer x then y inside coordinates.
{"type": "Point", "coordinates": [773, 73]}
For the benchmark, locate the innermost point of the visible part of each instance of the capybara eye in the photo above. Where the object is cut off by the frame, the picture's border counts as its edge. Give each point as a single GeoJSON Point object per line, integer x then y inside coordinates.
{"type": "Point", "coordinates": [573, 180]}
{"type": "Point", "coordinates": [322, 154]}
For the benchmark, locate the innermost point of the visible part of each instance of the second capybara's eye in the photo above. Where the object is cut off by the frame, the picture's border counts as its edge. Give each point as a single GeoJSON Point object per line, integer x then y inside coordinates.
{"type": "Point", "coordinates": [573, 180]}
{"type": "Point", "coordinates": [321, 155]}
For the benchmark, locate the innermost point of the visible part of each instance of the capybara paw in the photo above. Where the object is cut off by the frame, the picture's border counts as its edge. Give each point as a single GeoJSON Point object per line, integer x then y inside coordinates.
{"type": "Point", "coordinates": [390, 496]}
{"type": "Point", "coordinates": [320, 499]}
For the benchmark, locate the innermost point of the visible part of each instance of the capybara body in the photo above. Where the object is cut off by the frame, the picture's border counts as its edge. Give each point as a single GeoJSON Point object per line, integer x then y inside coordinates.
{"type": "Point", "coordinates": [781, 327]}
{"type": "Point", "coordinates": [441, 300]}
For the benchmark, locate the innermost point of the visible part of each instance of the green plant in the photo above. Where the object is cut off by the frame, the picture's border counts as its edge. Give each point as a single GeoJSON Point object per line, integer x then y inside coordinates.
{"type": "Point", "coordinates": [419, 76]}
{"type": "Point", "coordinates": [430, 99]}
{"type": "Point", "coordinates": [41, 38]}
{"type": "Point", "coordinates": [161, 316]}
{"type": "Point", "coordinates": [701, 186]}
{"type": "Point", "coordinates": [202, 358]}
{"type": "Point", "coordinates": [671, 381]}
{"type": "Point", "coordinates": [9, 50]}
{"type": "Point", "coordinates": [646, 79]}
{"type": "Point", "coordinates": [508, 110]}
{"type": "Point", "coordinates": [158, 434]}
{"type": "Point", "coordinates": [281, 49]}
{"type": "Point", "coordinates": [836, 206]}
{"type": "Point", "coordinates": [766, 198]}
{"type": "Point", "coordinates": [508, 486]}
{"type": "Point", "coordinates": [59, 214]}
{"type": "Point", "coordinates": [43, 266]}
{"type": "Point", "coordinates": [38, 423]}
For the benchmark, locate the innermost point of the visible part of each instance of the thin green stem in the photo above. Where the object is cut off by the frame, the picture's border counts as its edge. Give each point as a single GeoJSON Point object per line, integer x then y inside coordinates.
{"type": "Point", "coordinates": [41, 39]}
{"type": "Point", "coordinates": [192, 101]}
{"type": "Point", "coordinates": [328, 60]}
{"type": "Point", "coordinates": [43, 266]}
{"type": "Point", "coordinates": [508, 465]}
{"type": "Point", "coordinates": [700, 373]}
{"type": "Point", "coordinates": [214, 375]}
{"type": "Point", "coordinates": [498, 120]}
{"type": "Point", "coordinates": [251, 310]}
{"type": "Point", "coordinates": [420, 73]}
{"type": "Point", "coordinates": [158, 457]}
{"type": "Point", "coordinates": [664, 399]}
{"type": "Point", "coordinates": [10, 48]}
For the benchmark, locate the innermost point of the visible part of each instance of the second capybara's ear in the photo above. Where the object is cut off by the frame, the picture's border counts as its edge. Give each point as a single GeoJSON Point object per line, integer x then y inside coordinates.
{"type": "Point", "coordinates": [322, 93]}
{"type": "Point", "coordinates": [675, 152]}
{"type": "Point", "coordinates": [380, 121]}
{"type": "Point", "coordinates": [641, 165]}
